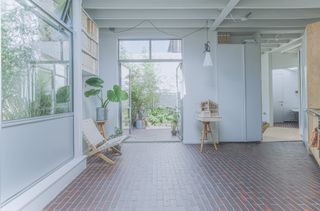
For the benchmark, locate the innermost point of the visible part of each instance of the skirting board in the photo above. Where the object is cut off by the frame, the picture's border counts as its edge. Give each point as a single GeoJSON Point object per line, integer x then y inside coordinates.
{"type": "Point", "coordinates": [37, 197]}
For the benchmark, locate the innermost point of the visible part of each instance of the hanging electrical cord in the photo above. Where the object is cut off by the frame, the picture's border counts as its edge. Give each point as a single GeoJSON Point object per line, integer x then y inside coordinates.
{"type": "Point", "coordinates": [159, 30]}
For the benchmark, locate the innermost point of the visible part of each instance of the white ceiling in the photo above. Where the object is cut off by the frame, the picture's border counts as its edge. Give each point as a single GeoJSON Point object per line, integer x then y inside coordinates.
{"type": "Point", "coordinates": [276, 23]}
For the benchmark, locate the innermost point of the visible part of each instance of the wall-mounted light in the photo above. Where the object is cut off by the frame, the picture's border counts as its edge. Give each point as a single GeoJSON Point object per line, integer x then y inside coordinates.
{"type": "Point", "coordinates": [207, 62]}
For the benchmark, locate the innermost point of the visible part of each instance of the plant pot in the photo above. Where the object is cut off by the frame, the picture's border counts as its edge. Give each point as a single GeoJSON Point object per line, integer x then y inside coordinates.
{"type": "Point", "coordinates": [140, 124]}
{"type": "Point", "coordinates": [101, 114]}
{"type": "Point", "coordinates": [174, 132]}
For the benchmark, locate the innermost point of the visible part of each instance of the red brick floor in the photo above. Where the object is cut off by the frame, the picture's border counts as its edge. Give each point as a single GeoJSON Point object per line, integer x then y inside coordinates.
{"type": "Point", "coordinates": [173, 176]}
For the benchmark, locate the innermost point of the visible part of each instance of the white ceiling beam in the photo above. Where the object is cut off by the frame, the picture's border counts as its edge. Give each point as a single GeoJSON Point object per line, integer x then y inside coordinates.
{"type": "Point", "coordinates": [265, 31]}
{"type": "Point", "coordinates": [199, 4]}
{"type": "Point", "coordinates": [138, 14]}
{"type": "Point", "coordinates": [276, 13]}
{"type": "Point", "coordinates": [278, 4]}
{"type": "Point", "coordinates": [270, 45]}
{"type": "Point", "coordinates": [267, 23]}
{"type": "Point", "coordinates": [280, 36]}
{"type": "Point", "coordinates": [224, 13]}
{"type": "Point", "coordinates": [204, 14]}
{"type": "Point", "coordinates": [291, 48]}
{"type": "Point", "coordinates": [158, 23]}
{"type": "Point", "coordinates": [287, 45]}
{"type": "Point", "coordinates": [274, 41]}
{"type": "Point", "coordinates": [251, 26]}
{"type": "Point", "coordinates": [154, 4]}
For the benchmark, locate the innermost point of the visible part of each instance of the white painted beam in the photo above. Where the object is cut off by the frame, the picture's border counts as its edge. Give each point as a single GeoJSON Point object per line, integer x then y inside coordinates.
{"type": "Point", "coordinates": [270, 45]}
{"type": "Point", "coordinates": [154, 4]}
{"type": "Point", "coordinates": [224, 13]}
{"type": "Point", "coordinates": [274, 41]}
{"type": "Point", "coordinates": [204, 14]}
{"type": "Point", "coordinates": [199, 4]}
{"type": "Point", "coordinates": [267, 23]}
{"type": "Point", "coordinates": [140, 14]}
{"type": "Point", "coordinates": [262, 30]}
{"type": "Point", "coordinates": [288, 45]}
{"type": "Point", "coordinates": [280, 36]}
{"type": "Point", "coordinates": [158, 23]}
{"type": "Point", "coordinates": [293, 47]}
{"type": "Point", "coordinates": [251, 25]}
{"type": "Point", "coordinates": [278, 4]}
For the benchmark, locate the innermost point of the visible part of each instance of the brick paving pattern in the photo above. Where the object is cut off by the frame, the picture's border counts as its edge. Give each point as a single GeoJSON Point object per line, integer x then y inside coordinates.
{"type": "Point", "coordinates": [173, 176]}
{"type": "Point", "coordinates": [152, 135]}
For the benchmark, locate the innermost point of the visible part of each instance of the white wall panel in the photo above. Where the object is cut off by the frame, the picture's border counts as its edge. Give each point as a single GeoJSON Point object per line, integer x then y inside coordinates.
{"type": "Point", "coordinates": [231, 92]}
{"type": "Point", "coordinates": [253, 92]}
{"type": "Point", "coordinates": [32, 151]}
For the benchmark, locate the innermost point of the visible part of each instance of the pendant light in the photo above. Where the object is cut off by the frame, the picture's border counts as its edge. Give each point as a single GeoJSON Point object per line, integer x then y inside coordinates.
{"type": "Point", "coordinates": [207, 62]}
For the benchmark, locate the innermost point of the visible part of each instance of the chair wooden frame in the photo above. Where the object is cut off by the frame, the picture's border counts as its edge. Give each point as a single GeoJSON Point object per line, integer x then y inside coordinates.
{"type": "Point", "coordinates": [97, 142]}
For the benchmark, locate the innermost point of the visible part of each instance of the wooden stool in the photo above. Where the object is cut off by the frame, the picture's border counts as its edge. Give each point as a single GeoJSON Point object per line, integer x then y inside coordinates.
{"type": "Point", "coordinates": [206, 128]}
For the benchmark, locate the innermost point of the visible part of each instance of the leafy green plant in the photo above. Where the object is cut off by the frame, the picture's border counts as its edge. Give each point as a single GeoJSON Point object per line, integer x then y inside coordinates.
{"type": "Point", "coordinates": [160, 116]}
{"type": "Point", "coordinates": [63, 94]}
{"type": "Point", "coordinates": [114, 95]}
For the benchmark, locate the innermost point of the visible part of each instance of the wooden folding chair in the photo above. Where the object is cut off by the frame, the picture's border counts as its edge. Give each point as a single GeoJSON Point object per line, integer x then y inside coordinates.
{"type": "Point", "coordinates": [97, 143]}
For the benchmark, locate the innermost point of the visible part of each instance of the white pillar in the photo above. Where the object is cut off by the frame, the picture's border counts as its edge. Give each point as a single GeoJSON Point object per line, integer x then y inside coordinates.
{"type": "Point", "coordinates": [77, 77]}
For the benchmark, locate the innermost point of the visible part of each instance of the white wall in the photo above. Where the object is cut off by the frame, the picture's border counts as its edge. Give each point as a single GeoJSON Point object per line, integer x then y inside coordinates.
{"type": "Point", "coordinates": [200, 81]}
{"type": "Point", "coordinates": [32, 151]}
{"type": "Point", "coordinates": [284, 60]}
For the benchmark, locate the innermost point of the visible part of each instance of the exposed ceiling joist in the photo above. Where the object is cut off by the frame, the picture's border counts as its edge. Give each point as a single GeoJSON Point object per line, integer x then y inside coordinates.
{"type": "Point", "coordinates": [270, 45]}
{"type": "Point", "coordinates": [224, 13]}
{"type": "Point", "coordinates": [290, 48]}
{"type": "Point", "coordinates": [193, 23]}
{"type": "Point", "coordinates": [274, 41]}
{"type": "Point", "coordinates": [199, 4]}
{"type": "Point", "coordinates": [283, 47]}
{"type": "Point", "coordinates": [154, 4]}
{"type": "Point", "coordinates": [204, 14]}
{"type": "Point", "coordinates": [268, 23]}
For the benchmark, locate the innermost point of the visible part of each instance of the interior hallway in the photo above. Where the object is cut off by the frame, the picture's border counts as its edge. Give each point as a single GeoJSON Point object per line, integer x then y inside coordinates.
{"type": "Point", "coordinates": [174, 176]}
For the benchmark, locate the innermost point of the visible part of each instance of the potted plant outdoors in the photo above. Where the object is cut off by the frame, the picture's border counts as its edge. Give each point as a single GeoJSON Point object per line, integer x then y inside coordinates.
{"type": "Point", "coordinates": [174, 123]}
{"type": "Point", "coordinates": [115, 95]}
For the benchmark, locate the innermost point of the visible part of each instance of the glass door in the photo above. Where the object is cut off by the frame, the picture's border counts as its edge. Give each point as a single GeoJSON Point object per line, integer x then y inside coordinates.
{"type": "Point", "coordinates": [126, 124]}
{"type": "Point", "coordinates": [180, 94]}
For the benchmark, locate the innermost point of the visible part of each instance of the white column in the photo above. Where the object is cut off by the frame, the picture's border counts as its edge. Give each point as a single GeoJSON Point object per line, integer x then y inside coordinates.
{"type": "Point", "coordinates": [77, 77]}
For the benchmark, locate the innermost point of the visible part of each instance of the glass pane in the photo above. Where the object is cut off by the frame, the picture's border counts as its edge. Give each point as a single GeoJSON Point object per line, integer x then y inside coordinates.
{"type": "Point", "coordinates": [31, 47]}
{"type": "Point", "coordinates": [125, 105]}
{"type": "Point", "coordinates": [134, 49]}
{"type": "Point", "coordinates": [166, 49]}
{"type": "Point", "coordinates": [54, 7]}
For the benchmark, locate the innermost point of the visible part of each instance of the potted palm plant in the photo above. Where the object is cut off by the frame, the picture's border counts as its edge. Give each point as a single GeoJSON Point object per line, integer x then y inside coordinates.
{"type": "Point", "coordinates": [114, 95]}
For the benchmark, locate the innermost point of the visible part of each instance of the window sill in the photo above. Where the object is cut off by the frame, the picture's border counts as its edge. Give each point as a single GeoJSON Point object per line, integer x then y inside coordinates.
{"type": "Point", "coordinates": [12, 123]}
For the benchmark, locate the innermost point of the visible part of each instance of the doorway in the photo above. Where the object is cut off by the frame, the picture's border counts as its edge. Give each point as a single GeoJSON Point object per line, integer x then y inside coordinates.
{"type": "Point", "coordinates": [285, 105]}
{"type": "Point", "coordinates": [153, 112]}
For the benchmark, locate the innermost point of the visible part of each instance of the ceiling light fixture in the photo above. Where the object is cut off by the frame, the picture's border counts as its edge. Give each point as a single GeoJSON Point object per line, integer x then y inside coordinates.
{"type": "Point", "coordinates": [207, 62]}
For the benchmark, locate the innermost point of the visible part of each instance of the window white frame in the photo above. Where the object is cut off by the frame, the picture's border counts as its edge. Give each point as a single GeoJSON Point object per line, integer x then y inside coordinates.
{"type": "Point", "coordinates": [10, 123]}
{"type": "Point", "coordinates": [150, 51]}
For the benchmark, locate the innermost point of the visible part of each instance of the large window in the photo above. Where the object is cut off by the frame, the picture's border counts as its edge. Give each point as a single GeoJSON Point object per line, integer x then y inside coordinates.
{"type": "Point", "coordinates": [36, 61]}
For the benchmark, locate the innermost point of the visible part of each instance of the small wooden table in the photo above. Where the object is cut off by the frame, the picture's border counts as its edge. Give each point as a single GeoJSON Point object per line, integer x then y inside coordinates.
{"type": "Point", "coordinates": [206, 128]}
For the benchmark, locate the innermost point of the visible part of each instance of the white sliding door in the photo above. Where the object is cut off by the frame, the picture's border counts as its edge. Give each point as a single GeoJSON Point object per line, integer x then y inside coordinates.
{"type": "Point", "coordinates": [231, 92]}
{"type": "Point", "coordinates": [239, 92]}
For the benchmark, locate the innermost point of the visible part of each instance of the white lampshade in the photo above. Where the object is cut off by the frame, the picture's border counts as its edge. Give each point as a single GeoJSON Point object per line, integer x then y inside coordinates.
{"type": "Point", "coordinates": [207, 62]}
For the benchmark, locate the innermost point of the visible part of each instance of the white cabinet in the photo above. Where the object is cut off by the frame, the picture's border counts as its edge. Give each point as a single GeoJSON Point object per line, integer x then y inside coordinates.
{"type": "Point", "coordinates": [239, 92]}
